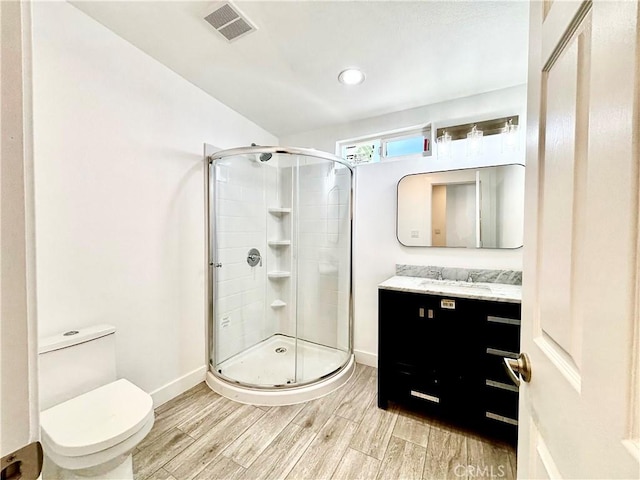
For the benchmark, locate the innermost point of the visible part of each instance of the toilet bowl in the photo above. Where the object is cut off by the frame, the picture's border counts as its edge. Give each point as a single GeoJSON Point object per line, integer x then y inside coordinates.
{"type": "Point", "coordinates": [93, 433]}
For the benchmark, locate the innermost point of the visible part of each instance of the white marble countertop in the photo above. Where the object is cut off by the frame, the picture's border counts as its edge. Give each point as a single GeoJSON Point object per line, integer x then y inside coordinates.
{"type": "Point", "coordinates": [498, 292]}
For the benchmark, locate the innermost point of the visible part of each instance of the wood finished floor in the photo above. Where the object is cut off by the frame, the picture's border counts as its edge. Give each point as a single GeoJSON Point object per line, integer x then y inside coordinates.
{"type": "Point", "coordinates": [344, 435]}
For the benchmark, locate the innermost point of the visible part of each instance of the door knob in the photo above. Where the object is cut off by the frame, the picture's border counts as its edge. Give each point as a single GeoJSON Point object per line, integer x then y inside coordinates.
{"type": "Point", "coordinates": [521, 366]}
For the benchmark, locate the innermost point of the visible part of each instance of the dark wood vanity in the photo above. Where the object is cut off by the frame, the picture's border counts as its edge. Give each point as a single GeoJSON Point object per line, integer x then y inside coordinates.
{"type": "Point", "coordinates": [443, 354]}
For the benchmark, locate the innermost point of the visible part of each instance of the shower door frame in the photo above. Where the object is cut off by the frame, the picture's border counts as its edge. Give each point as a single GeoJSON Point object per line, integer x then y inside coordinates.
{"type": "Point", "coordinates": [211, 154]}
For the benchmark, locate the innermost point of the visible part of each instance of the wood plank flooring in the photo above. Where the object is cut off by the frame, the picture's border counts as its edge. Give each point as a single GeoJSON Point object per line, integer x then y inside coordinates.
{"type": "Point", "coordinates": [344, 436]}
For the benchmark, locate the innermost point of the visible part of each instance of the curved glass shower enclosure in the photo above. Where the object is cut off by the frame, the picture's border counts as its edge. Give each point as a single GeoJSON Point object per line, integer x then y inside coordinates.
{"type": "Point", "coordinates": [279, 267]}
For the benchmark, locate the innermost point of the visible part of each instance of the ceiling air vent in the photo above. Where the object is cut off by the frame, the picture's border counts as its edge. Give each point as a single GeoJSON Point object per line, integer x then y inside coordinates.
{"type": "Point", "coordinates": [229, 22]}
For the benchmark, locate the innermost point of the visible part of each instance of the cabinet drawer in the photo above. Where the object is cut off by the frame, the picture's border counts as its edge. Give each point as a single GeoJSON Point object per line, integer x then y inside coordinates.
{"type": "Point", "coordinates": [503, 310]}
{"type": "Point", "coordinates": [502, 403]}
{"type": "Point", "coordinates": [424, 388]}
{"type": "Point", "coordinates": [502, 333]}
{"type": "Point", "coordinates": [494, 366]}
{"type": "Point", "coordinates": [503, 428]}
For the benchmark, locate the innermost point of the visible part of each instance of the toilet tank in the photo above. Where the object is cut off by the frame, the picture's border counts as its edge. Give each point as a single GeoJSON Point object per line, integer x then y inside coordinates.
{"type": "Point", "coordinates": [75, 362]}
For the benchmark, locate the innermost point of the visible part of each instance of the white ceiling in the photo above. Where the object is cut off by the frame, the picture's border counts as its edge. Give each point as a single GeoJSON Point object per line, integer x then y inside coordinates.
{"type": "Point", "coordinates": [284, 75]}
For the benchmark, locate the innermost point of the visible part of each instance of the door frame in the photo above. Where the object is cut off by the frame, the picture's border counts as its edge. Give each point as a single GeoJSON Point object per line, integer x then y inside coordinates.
{"type": "Point", "coordinates": [19, 342]}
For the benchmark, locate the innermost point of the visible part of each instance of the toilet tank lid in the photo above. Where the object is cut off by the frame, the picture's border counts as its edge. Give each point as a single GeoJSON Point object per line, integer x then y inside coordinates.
{"type": "Point", "coordinates": [74, 337]}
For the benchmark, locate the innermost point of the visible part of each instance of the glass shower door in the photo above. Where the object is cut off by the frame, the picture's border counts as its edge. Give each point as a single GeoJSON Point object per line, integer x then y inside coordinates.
{"type": "Point", "coordinates": [323, 233]}
{"type": "Point", "coordinates": [243, 274]}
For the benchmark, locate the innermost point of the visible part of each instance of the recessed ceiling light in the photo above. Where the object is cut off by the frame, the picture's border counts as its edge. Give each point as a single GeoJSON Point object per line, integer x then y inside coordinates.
{"type": "Point", "coordinates": [351, 76]}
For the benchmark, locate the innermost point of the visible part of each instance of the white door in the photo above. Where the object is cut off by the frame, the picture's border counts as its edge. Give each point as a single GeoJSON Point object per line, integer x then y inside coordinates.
{"type": "Point", "coordinates": [18, 390]}
{"type": "Point", "coordinates": [579, 414]}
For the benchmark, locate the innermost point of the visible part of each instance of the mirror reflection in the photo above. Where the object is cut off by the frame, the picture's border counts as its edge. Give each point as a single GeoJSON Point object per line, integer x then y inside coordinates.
{"type": "Point", "coordinates": [470, 208]}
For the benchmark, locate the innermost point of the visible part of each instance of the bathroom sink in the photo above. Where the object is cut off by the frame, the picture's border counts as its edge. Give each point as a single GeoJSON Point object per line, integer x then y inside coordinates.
{"type": "Point", "coordinates": [472, 286]}
{"type": "Point", "coordinates": [462, 287]}
{"type": "Point", "coordinates": [452, 286]}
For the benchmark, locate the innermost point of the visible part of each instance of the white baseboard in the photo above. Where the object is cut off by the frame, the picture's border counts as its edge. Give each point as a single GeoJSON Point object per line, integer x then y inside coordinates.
{"type": "Point", "coordinates": [366, 358]}
{"type": "Point", "coordinates": [178, 386]}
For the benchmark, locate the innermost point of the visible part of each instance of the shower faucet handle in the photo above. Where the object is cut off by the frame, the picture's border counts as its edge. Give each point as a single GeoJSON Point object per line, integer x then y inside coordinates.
{"type": "Point", "coordinates": [254, 257]}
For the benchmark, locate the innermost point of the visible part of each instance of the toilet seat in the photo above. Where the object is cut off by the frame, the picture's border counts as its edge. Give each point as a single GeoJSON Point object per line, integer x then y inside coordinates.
{"type": "Point", "coordinates": [99, 424]}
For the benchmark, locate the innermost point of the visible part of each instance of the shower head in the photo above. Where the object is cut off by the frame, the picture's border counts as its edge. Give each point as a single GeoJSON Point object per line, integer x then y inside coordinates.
{"type": "Point", "coordinates": [264, 157]}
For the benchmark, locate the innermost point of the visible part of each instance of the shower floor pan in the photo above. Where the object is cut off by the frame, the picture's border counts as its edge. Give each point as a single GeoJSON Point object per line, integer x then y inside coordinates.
{"type": "Point", "coordinates": [272, 363]}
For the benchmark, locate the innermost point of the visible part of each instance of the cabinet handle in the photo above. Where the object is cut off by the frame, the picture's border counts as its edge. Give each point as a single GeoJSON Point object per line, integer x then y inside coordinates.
{"type": "Point", "coordinates": [500, 418]}
{"type": "Point", "coordinates": [520, 366]}
{"type": "Point", "coordinates": [500, 385]}
{"type": "Point", "coordinates": [503, 320]}
{"type": "Point", "coordinates": [501, 353]}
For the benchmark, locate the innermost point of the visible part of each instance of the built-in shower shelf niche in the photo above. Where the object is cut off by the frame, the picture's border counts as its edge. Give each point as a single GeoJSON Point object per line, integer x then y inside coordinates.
{"type": "Point", "coordinates": [279, 243]}
{"type": "Point", "coordinates": [278, 304]}
{"type": "Point", "coordinates": [278, 274]}
{"type": "Point", "coordinates": [279, 210]}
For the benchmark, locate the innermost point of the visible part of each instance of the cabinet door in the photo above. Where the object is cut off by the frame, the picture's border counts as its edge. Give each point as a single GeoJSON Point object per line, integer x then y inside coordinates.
{"type": "Point", "coordinates": [461, 356]}
{"type": "Point", "coordinates": [410, 335]}
{"type": "Point", "coordinates": [410, 349]}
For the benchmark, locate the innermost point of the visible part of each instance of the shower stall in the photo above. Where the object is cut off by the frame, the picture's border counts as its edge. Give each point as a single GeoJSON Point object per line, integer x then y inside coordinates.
{"type": "Point", "coordinates": [279, 234]}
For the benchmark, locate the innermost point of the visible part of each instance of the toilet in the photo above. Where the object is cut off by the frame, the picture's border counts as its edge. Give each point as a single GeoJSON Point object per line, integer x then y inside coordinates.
{"type": "Point", "coordinates": [90, 421]}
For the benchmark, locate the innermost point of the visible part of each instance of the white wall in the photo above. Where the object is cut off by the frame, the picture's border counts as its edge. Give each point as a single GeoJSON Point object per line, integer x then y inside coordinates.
{"type": "Point", "coordinates": [119, 191]}
{"type": "Point", "coordinates": [376, 249]}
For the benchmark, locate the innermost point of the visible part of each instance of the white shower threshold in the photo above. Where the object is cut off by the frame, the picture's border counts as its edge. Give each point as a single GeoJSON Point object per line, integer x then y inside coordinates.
{"type": "Point", "coordinates": [272, 362]}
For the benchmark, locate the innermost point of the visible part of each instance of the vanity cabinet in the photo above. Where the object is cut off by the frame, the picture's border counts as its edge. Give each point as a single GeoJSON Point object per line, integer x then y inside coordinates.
{"type": "Point", "coordinates": [443, 354]}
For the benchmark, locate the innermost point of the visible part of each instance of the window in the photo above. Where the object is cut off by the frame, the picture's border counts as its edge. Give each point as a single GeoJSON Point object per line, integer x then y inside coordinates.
{"type": "Point", "coordinates": [408, 145]}
{"type": "Point", "coordinates": [363, 152]}
{"type": "Point", "coordinates": [413, 143]}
